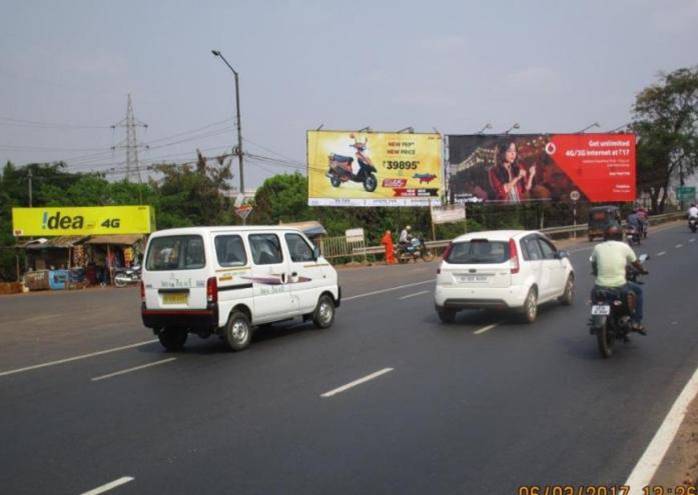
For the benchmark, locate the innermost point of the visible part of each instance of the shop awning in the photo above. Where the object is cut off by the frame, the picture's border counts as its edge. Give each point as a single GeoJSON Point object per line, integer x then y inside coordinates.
{"type": "Point", "coordinates": [62, 242]}
{"type": "Point", "coordinates": [310, 228]}
{"type": "Point", "coordinates": [118, 239]}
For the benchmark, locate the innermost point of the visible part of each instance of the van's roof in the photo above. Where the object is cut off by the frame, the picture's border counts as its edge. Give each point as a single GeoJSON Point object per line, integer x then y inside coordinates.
{"type": "Point", "coordinates": [223, 228]}
{"type": "Point", "coordinates": [495, 235]}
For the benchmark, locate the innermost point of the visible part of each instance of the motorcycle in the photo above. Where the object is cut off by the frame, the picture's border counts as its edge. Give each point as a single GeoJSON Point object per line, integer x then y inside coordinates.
{"type": "Point", "coordinates": [610, 313]}
{"type": "Point", "coordinates": [340, 170]}
{"type": "Point", "coordinates": [633, 236]}
{"type": "Point", "coordinates": [693, 224]}
{"type": "Point", "coordinates": [128, 276]}
{"type": "Point", "coordinates": [414, 249]}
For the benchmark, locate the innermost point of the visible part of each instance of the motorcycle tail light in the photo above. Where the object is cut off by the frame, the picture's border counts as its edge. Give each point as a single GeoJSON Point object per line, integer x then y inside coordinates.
{"type": "Point", "coordinates": [514, 256]}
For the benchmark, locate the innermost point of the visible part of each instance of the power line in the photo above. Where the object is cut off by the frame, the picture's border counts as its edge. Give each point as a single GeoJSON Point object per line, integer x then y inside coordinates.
{"type": "Point", "coordinates": [47, 125]}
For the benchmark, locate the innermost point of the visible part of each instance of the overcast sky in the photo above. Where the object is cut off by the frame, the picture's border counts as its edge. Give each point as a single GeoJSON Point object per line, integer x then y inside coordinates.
{"type": "Point", "coordinates": [552, 66]}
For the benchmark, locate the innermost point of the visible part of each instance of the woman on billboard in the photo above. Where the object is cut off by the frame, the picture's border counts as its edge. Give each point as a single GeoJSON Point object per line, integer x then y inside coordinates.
{"type": "Point", "coordinates": [510, 181]}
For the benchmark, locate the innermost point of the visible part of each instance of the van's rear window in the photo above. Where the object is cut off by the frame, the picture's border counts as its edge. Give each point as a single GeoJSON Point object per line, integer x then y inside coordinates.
{"type": "Point", "coordinates": [177, 252]}
{"type": "Point", "coordinates": [478, 252]}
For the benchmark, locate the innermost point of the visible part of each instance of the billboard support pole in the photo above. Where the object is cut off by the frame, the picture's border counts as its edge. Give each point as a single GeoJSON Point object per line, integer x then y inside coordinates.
{"type": "Point", "coordinates": [433, 227]}
{"type": "Point", "coordinates": [574, 220]}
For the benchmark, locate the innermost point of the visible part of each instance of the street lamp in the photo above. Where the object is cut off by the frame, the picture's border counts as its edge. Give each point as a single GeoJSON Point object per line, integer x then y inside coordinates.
{"type": "Point", "coordinates": [595, 124]}
{"type": "Point", "coordinates": [218, 54]}
{"type": "Point", "coordinates": [486, 126]}
{"type": "Point", "coordinates": [515, 126]}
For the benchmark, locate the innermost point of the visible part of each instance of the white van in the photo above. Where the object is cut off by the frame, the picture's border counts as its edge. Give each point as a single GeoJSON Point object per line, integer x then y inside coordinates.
{"type": "Point", "coordinates": [227, 280]}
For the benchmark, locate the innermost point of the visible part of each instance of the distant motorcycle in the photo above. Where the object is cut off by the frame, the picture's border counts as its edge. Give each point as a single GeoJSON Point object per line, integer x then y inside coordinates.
{"type": "Point", "coordinates": [414, 249]}
{"type": "Point", "coordinates": [610, 313]}
{"type": "Point", "coordinates": [340, 170]}
{"type": "Point", "coordinates": [693, 224]}
{"type": "Point", "coordinates": [633, 236]}
{"type": "Point", "coordinates": [128, 276]}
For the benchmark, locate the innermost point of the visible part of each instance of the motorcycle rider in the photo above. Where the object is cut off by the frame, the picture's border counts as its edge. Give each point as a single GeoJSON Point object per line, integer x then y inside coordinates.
{"type": "Point", "coordinates": [693, 211]}
{"type": "Point", "coordinates": [634, 221]}
{"type": "Point", "coordinates": [405, 236]}
{"type": "Point", "coordinates": [609, 261]}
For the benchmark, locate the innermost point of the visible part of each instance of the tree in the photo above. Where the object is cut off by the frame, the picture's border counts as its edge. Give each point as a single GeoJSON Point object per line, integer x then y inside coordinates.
{"type": "Point", "coordinates": [666, 123]}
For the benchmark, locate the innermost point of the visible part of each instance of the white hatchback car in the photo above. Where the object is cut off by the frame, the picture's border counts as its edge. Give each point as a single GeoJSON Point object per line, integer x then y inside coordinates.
{"type": "Point", "coordinates": [504, 269]}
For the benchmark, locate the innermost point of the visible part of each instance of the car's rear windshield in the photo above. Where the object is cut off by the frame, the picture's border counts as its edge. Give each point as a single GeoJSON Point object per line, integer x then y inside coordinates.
{"type": "Point", "coordinates": [177, 252]}
{"type": "Point", "coordinates": [477, 252]}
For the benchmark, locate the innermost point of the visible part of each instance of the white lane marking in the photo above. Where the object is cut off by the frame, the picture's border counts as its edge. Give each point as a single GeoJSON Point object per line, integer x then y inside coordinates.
{"type": "Point", "coordinates": [485, 329]}
{"type": "Point", "coordinates": [692, 239]}
{"type": "Point", "coordinates": [679, 246]}
{"type": "Point", "coordinates": [661, 253]}
{"type": "Point", "coordinates": [129, 370]}
{"type": "Point", "coordinates": [75, 358]}
{"type": "Point", "coordinates": [356, 382]}
{"type": "Point", "coordinates": [415, 294]}
{"type": "Point", "coordinates": [390, 289]}
{"type": "Point", "coordinates": [109, 486]}
{"type": "Point", "coordinates": [647, 466]}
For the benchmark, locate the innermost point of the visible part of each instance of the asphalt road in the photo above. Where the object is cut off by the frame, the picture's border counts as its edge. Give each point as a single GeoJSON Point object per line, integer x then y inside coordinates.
{"type": "Point", "coordinates": [466, 408]}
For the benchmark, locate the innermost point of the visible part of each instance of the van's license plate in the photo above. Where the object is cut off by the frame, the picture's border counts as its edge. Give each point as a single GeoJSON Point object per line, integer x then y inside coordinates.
{"type": "Point", "coordinates": [473, 278]}
{"type": "Point", "coordinates": [601, 310]}
{"type": "Point", "coordinates": [175, 298]}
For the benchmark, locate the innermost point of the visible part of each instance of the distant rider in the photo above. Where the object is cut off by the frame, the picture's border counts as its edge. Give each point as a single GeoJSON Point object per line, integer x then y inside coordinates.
{"type": "Point", "coordinates": [634, 221]}
{"type": "Point", "coordinates": [609, 261]}
{"type": "Point", "coordinates": [405, 236]}
{"type": "Point", "coordinates": [693, 211]}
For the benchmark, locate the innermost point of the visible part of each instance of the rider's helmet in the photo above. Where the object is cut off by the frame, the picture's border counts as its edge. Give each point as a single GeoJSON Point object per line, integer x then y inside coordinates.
{"type": "Point", "coordinates": [613, 233]}
{"type": "Point", "coordinates": [408, 228]}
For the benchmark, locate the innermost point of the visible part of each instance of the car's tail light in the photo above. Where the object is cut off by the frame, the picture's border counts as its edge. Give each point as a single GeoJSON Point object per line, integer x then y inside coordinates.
{"type": "Point", "coordinates": [513, 256]}
{"type": "Point", "coordinates": [447, 251]}
{"type": "Point", "coordinates": [212, 290]}
{"type": "Point", "coordinates": [142, 287]}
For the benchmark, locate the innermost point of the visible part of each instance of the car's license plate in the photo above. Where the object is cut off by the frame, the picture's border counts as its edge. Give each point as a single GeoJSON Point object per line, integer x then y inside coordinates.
{"type": "Point", "coordinates": [175, 298]}
{"type": "Point", "coordinates": [473, 278]}
{"type": "Point", "coordinates": [601, 310]}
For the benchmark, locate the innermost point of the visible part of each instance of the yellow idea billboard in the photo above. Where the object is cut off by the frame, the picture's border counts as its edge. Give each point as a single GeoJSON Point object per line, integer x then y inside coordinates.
{"type": "Point", "coordinates": [348, 168]}
{"type": "Point", "coordinates": [82, 220]}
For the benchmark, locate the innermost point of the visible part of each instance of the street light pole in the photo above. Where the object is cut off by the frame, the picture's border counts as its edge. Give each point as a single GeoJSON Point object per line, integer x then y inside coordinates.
{"type": "Point", "coordinates": [515, 126]}
{"type": "Point", "coordinates": [218, 54]}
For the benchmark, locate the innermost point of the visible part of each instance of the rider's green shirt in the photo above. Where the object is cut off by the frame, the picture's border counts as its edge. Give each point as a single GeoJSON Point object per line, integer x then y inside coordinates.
{"type": "Point", "coordinates": [611, 258]}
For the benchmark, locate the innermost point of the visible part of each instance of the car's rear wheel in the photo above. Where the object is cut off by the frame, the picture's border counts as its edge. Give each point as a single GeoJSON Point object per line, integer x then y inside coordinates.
{"type": "Point", "coordinates": [446, 315]}
{"type": "Point", "coordinates": [529, 311]}
{"type": "Point", "coordinates": [238, 331]}
{"type": "Point", "coordinates": [173, 338]}
{"type": "Point", "coordinates": [567, 297]}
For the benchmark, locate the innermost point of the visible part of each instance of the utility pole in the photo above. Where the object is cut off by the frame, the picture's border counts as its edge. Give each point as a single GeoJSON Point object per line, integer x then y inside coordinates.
{"type": "Point", "coordinates": [238, 150]}
{"type": "Point", "coordinates": [29, 177]}
{"type": "Point", "coordinates": [131, 144]}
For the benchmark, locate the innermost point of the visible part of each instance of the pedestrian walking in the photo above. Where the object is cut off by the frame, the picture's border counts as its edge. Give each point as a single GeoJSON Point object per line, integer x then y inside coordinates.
{"type": "Point", "coordinates": [387, 242]}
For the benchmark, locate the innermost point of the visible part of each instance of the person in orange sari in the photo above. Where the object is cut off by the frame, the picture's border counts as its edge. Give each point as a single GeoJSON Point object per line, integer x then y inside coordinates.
{"type": "Point", "coordinates": [387, 242]}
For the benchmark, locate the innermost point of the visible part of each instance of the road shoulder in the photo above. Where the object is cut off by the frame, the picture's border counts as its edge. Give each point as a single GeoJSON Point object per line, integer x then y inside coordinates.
{"type": "Point", "coordinates": [680, 464]}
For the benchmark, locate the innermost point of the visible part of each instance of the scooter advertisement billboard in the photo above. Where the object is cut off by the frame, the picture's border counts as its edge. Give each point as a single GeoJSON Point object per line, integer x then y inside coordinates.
{"type": "Point", "coordinates": [542, 167]}
{"type": "Point", "coordinates": [347, 168]}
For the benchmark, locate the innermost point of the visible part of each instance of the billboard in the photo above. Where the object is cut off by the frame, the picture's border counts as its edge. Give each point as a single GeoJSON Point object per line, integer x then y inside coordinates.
{"type": "Point", "coordinates": [87, 220]}
{"type": "Point", "coordinates": [542, 167]}
{"type": "Point", "coordinates": [348, 168]}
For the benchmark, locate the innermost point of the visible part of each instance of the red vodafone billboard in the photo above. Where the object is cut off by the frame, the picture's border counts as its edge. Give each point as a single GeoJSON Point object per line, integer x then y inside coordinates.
{"type": "Point", "coordinates": [542, 167]}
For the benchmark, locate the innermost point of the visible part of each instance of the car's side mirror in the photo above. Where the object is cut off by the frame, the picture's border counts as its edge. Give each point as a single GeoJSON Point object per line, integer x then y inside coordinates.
{"type": "Point", "coordinates": [316, 253]}
{"type": "Point", "coordinates": [562, 254]}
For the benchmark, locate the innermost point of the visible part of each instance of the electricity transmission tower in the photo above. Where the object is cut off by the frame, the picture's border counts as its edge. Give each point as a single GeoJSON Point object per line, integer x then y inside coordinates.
{"type": "Point", "coordinates": [131, 144]}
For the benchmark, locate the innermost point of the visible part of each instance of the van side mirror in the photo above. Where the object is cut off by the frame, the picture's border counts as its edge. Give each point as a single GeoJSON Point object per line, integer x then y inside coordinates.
{"type": "Point", "coordinates": [316, 253]}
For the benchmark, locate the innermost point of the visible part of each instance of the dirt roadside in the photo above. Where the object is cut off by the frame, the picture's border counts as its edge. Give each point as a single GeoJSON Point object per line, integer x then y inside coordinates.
{"type": "Point", "coordinates": [680, 464]}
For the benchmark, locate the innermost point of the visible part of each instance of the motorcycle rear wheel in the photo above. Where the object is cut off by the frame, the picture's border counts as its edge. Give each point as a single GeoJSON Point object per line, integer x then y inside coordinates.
{"type": "Point", "coordinates": [427, 255]}
{"type": "Point", "coordinates": [605, 341]}
{"type": "Point", "coordinates": [120, 281]}
{"type": "Point", "coordinates": [370, 183]}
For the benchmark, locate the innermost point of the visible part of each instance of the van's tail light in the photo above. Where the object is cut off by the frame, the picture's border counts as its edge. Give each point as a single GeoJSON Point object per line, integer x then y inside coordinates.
{"type": "Point", "coordinates": [142, 287]}
{"type": "Point", "coordinates": [212, 290]}
{"type": "Point", "coordinates": [513, 256]}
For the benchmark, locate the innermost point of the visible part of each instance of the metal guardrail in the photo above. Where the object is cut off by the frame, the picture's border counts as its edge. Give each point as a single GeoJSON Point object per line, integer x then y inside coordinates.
{"type": "Point", "coordinates": [551, 231]}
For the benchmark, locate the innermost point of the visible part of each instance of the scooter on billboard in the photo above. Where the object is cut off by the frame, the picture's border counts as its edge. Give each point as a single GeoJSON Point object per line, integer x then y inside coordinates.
{"type": "Point", "coordinates": [341, 170]}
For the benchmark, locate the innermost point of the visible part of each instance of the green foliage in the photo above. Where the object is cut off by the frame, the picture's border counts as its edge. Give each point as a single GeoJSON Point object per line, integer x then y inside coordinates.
{"type": "Point", "coordinates": [666, 123]}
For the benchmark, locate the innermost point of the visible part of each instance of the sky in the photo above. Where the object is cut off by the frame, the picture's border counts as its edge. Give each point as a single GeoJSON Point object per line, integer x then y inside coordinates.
{"type": "Point", "coordinates": [454, 66]}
